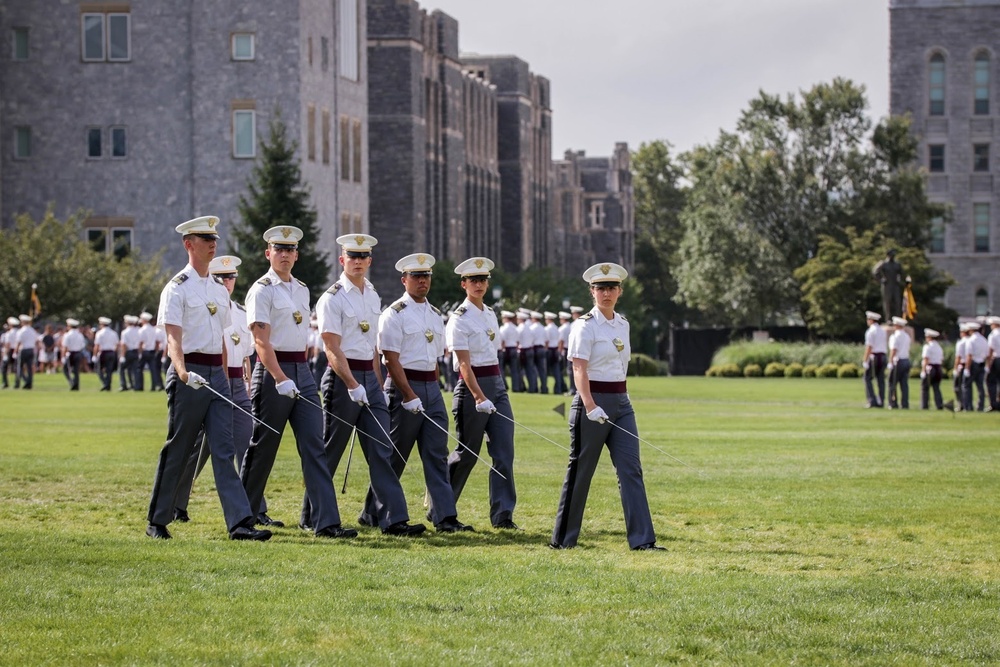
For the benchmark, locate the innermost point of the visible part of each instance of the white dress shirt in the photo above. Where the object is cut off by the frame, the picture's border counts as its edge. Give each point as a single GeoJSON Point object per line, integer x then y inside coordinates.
{"type": "Point", "coordinates": [352, 314]}
{"type": "Point", "coordinates": [597, 340]}
{"type": "Point", "coordinates": [875, 339]}
{"type": "Point", "coordinates": [413, 330]}
{"type": "Point", "coordinates": [200, 306]}
{"type": "Point", "coordinates": [475, 330]}
{"type": "Point", "coordinates": [283, 306]}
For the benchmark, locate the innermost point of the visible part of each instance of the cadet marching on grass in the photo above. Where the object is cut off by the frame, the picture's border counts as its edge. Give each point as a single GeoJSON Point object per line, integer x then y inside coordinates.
{"type": "Point", "coordinates": [931, 358]}
{"type": "Point", "coordinates": [976, 352]}
{"type": "Point", "coordinates": [510, 362]}
{"type": "Point", "coordinates": [599, 348]}
{"type": "Point", "coordinates": [128, 355]}
{"type": "Point", "coordinates": [471, 335]}
{"type": "Point", "coordinates": [194, 311]}
{"type": "Point", "coordinates": [873, 361]}
{"type": "Point", "coordinates": [993, 362]}
{"type": "Point", "coordinates": [71, 346]}
{"type": "Point", "coordinates": [278, 317]}
{"type": "Point", "coordinates": [957, 373]}
{"type": "Point", "coordinates": [105, 351]}
{"type": "Point", "coordinates": [899, 365]}
{"type": "Point", "coordinates": [411, 338]}
{"type": "Point", "coordinates": [348, 315]}
{"type": "Point", "coordinates": [8, 349]}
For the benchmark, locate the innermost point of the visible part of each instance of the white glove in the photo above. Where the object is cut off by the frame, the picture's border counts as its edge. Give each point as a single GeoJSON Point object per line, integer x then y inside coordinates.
{"type": "Point", "coordinates": [358, 395]}
{"type": "Point", "coordinates": [597, 415]}
{"type": "Point", "coordinates": [94, 358]}
{"type": "Point", "coordinates": [195, 381]}
{"type": "Point", "coordinates": [889, 366]}
{"type": "Point", "coordinates": [287, 388]}
{"type": "Point", "coordinates": [414, 406]}
{"type": "Point", "coordinates": [967, 373]}
{"type": "Point", "coordinates": [486, 407]}
{"type": "Point", "coordinates": [864, 365]}
{"type": "Point", "coordinates": [121, 360]}
{"type": "Point", "coordinates": [386, 395]}
{"type": "Point", "coordinates": [923, 374]}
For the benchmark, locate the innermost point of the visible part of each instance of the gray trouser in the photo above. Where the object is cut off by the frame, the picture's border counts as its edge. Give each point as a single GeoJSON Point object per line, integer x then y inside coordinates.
{"type": "Point", "coordinates": [188, 410]}
{"type": "Point", "coordinates": [899, 377]}
{"type": "Point", "coordinates": [407, 428]}
{"type": "Point", "coordinates": [470, 427]}
{"type": "Point", "coordinates": [307, 425]}
{"type": "Point", "coordinates": [242, 432]}
{"type": "Point", "coordinates": [379, 454]}
{"type": "Point", "coordinates": [513, 367]}
{"type": "Point", "coordinates": [531, 370]}
{"type": "Point", "coordinates": [542, 367]}
{"type": "Point", "coordinates": [587, 440]}
{"type": "Point", "coordinates": [71, 369]}
{"type": "Point", "coordinates": [976, 372]}
{"type": "Point", "coordinates": [8, 362]}
{"type": "Point", "coordinates": [875, 371]}
{"type": "Point", "coordinates": [993, 384]}
{"type": "Point", "coordinates": [932, 380]}
{"type": "Point", "coordinates": [106, 368]}
{"type": "Point", "coordinates": [127, 371]}
{"type": "Point", "coordinates": [25, 369]}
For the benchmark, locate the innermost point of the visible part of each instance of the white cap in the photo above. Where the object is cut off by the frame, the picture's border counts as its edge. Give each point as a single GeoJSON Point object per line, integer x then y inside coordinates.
{"type": "Point", "coordinates": [145, 317]}
{"type": "Point", "coordinates": [206, 224]}
{"type": "Point", "coordinates": [898, 322]}
{"type": "Point", "coordinates": [506, 313]}
{"type": "Point", "coordinates": [418, 262]}
{"type": "Point", "coordinates": [283, 235]}
{"type": "Point", "coordinates": [535, 315]}
{"type": "Point", "coordinates": [475, 266]}
{"type": "Point", "coordinates": [576, 309]}
{"type": "Point", "coordinates": [357, 242]}
{"type": "Point", "coordinates": [872, 315]}
{"type": "Point", "coordinates": [931, 333]}
{"type": "Point", "coordinates": [607, 272]}
{"type": "Point", "coordinates": [70, 322]}
{"type": "Point", "coordinates": [104, 320]}
{"type": "Point", "coordinates": [969, 326]}
{"type": "Point", "coordinates": [224, 264]}
{"type": "Point", "coordinates": [993, 319]}
{"type": "Point", "coordinates": [563, 315]}
{"type": "Point", "coordinates": [23, 318]}
{"type": "Point", "coordinates": [13, 321]}
{"type": "Point", "coordinates": [130, 319]}
{"type": "Point", "coordinates": [549, 315]}
{"type": "Point", "coordinates": [521, 315]}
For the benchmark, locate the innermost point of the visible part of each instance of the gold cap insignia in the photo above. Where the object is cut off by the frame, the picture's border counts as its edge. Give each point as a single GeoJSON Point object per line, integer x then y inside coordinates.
{"type": "Point", "coordinates": [212, 222]}
{"type": "Point", "coordinates": [226, 261]}
{"type": "Point", "coordinates": [360, 240]}
{"type": "Point", "coordinates": [605, 269]}
{"type": "Point", "coordinates": [286, 232]}
{"type": "Point", "coordinates": [479, 263]}
{"type": "Point", "coordinates": [421, 259]}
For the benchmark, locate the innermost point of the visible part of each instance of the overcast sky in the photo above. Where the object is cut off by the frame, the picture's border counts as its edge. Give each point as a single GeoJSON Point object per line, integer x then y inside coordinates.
{"type": "Point", "coordinates": [640, 70]}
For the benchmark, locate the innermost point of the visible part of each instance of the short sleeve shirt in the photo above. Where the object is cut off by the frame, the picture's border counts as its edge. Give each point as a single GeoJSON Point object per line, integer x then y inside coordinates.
{"type": "Point", "coordinates": [476, 331]}
{"type": "Point", "coordinates": [603, 344]}
{"type": "Point", "coordinates": [352, 314]}
{"type": "Point", "coordinates": [284, 306]}
{"type": "Point", "coordinates": [415, 331]}
{"type": "Point", "coordinates": [199, 306]}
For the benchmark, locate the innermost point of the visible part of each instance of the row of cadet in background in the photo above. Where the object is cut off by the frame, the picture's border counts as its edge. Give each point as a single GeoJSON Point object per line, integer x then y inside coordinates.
{"type": "Point", "coordinates": [977, 365]}
{"type": "Point", "coordinates": [532, 358]}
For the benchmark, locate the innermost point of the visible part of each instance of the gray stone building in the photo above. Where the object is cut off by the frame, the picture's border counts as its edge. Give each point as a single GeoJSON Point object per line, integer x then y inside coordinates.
{"type": "Point", "coordinates": [593, 211]}
{"type": "Point", "coordinates": [944, 71]}
{"type": "Point", "coordinates": [435, 185]}
{"type": "Point", "coordinates": [147, 114]}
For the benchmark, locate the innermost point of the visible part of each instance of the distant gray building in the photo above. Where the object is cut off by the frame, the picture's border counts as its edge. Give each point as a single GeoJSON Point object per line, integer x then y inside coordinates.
{"type": "Point", "coordinates": [149, 113]}
{"type": "Point", "coordinates": [435, 184]}
{"type": "Point", "coordinates": [593, 212]}
{"type": "Point", "coordinates": [944, 71]}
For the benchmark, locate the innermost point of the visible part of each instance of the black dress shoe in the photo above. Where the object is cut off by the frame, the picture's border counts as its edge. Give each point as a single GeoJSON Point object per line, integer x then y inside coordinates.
{"type": "Point", "coordinates": [652, 546]}
{"type": "Point", "coordinates": [507, 524]}
{"type": "Point", "coordinates": [264, 520]}
{"type": "Point", "coordinates": [181, 515]}
{"type": "Point", "coordinates": [244, 533]}
{"type": "Point", "coordinates": [157, 532]}
{"type": "Point", "coordinates": [558, 547]}
{"type": "Point", "coordinates": [452, 525]}
{"type": "Point", "coordinates": [367, 520]}
{"type": "Point", "coordinates": [334, 532]}
{"type": "Point", "coordinates": [305, 526]}
{"type": "Point", "coordinates": [404, 529]}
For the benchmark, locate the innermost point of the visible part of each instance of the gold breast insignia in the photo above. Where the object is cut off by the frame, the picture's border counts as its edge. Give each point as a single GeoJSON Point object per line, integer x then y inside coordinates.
{"type": "Point", "coordinates": [364, 326]}
{"type": "Point", "coordinates": [297, 316]}
{"type": "Point", "coordinates": [212, 308]}
{"type": "Point", "coordinates": [619, 345]}
{"type": "Point", "coordinates": [429, 335]}
{"type": "Point", "coordinates": [492, 334]}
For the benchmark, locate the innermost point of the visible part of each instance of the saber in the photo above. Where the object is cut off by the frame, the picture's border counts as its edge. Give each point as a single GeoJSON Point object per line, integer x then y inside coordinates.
{"type": "Point", "coordinates": [387, 436]}
{"type": "Point", "coordinates": [497, 412]}
{"type": "Point", "coordinates": [462, 444]}
{"type": "Point", "coordinates": [259, 421]}
{"type": "Point", "coordinates": [350, 454]}
{"type": "Point", "coordinates": [647, 442]}
{"type": "Point", "coordinates": [341, 420]}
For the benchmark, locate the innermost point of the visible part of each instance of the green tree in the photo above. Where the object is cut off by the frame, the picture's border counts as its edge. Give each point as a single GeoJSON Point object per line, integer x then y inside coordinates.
{"type": "Point", "coordinates": [73, 280]}
{"type": "Point", "coordinates": [277, 196]}
{"type": "Point", "coordinates": [838, 287]}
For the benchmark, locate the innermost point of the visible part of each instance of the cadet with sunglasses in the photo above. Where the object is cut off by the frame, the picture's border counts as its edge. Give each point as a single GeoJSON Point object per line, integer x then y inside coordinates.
{"type": "Point", "coordinates": [599, 349]}
{"type": "Point", "coordinates": [348, 316]}
{"type": "Point", "coordinates": [278, 316]}
{"type": "Point", "coordinates": [194, 310]}
{"type": "Point", "coordinates": [473, 337]}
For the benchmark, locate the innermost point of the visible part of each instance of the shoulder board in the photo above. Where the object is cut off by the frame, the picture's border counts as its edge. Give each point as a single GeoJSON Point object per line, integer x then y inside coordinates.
{"type": "Point", "coordinates": [460, 310]}
{"type": "Point", "coordinates": [180, 278]}
{"type": "Point", "coordinates": [623, 317]}
{"type": "Point", "coordinates": [335, 288]}
{"type": "Point", "coordinates": [300, 282]}
{"type": "Point", "coordinates": [587, 316]}
{"type": "Point", "coordinates": [399, 305]}
{"type": "Point", "coordinates": [218, 280]}
{"type": "Point", "coordinates": [264, 281]}
{"type": "Point", "coordinates": [436, 311]}
{"type": "Point", "coordinates": [240, 306]}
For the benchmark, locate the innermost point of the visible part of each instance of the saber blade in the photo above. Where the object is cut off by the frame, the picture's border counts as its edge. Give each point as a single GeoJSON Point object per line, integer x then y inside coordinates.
{"type": "Point", "coordinates": [259, 421]}
{"type": "Point", "coordinates": [464, 446]}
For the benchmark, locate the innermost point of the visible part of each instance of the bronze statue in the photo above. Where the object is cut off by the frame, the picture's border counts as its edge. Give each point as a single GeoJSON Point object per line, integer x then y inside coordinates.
{"type": "Point", "coordinates": [890, 273]}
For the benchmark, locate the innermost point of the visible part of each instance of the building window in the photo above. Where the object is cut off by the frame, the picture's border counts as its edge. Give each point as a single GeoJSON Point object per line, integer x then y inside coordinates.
{"type": "Point", "coordinates": [596, 217]}
{"type": "Point", "coordinates": [981, 223]}
{"type": "Point", "coordinates": [982, 302]}
{"type": "Point", "coordinates": [324, 53]}
{"type": "Point", "coordinates": [119, 149]}
{"type": "Point", "coordinates": [345, 148]}
{"type": "Point", "coordinates": [937, 234]}
{"type": "Point", "coordinates": [349, 45]}
{"type": "Point", "coordinates": [244, 133]}
{"type": "Point", "coordinates": [106, 37]}
{"type": "Point", "coordinates": [356, 150]}
{"type": "Point", "coordinates": [98, 240]}
{"type": "Point", "coordinates": [326, 136]}
{"type": "Point", "coordinates": [243, 46]}
{"type": "Point", "coordinates": [311, 132]}
{"type": "Point", "coordinates": [345, 223]}
{"type": "Point", "coordinates": [121, 242]}
{"type": "Point", "coordinates": [20, 44]}
{"type": "Point", "coordinates": [936, 81]}
{"type": "Point", "coordinates": [982, 84]}
{"type": "Point", "coordinates": [95, 142]}
{"type": "Point", "coordinates": [110, 235]}
{"type": "Point", "coordinates": [22, 142]}
{"type": "Point", "coordinates": [935, 157]}
{"type": "Point", "coordinates": [980, 157]}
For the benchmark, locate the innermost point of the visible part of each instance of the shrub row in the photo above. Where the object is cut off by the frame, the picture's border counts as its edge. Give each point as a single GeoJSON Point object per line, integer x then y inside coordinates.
{"type": "Point", "coordinates": [795, 370]}
{"type": "Point", "coordinates": [747, 353]}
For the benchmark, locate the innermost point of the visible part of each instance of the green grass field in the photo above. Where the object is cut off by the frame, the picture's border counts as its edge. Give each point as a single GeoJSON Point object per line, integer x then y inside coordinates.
{"type": "Point", "coordinates": [810, 531]}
